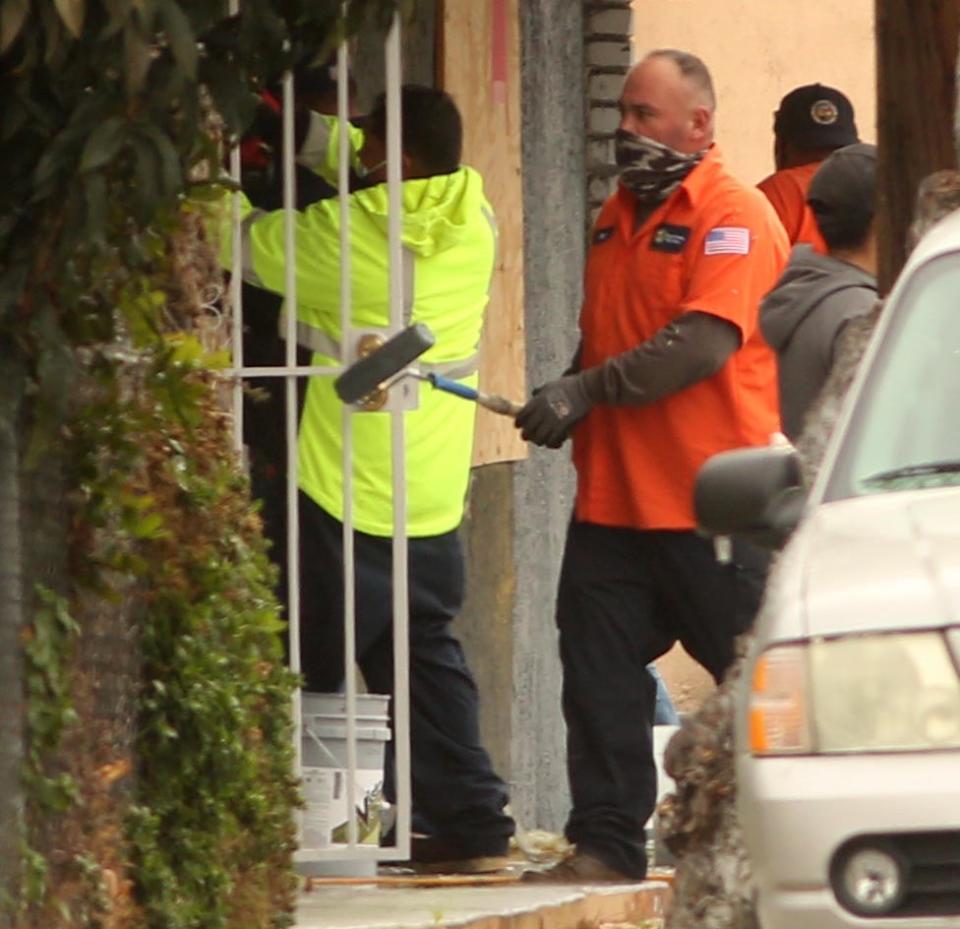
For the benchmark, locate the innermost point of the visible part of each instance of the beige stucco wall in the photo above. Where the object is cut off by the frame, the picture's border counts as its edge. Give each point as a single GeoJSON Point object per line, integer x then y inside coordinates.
{"type": "Point", "coordinates": [760, 49]}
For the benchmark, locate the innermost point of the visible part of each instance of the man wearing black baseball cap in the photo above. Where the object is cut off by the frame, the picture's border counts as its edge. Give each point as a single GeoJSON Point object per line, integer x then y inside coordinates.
{"type": "Point", "coordinates": [803, 316]}
{"type": "Point", "coordinates": [811, 122]}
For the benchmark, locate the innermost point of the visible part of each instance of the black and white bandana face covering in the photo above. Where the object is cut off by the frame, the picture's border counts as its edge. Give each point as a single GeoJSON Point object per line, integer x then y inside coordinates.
{"type": "Point", "coordinates": [649, 169]}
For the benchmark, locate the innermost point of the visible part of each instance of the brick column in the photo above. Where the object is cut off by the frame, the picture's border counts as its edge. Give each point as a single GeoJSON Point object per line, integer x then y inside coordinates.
{"type": "Point", "coordinates": [608, 27]}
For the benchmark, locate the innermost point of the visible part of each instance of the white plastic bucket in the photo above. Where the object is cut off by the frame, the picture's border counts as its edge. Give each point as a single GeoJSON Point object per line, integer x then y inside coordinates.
{"type": "Point", "coordinates": [325, 768]}
{"type": "Point", "coordinates": [372, 709]}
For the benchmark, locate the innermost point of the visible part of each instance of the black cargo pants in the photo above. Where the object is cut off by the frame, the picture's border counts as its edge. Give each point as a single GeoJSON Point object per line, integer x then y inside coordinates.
{"type": "Point", "coordinates": [625, 597]}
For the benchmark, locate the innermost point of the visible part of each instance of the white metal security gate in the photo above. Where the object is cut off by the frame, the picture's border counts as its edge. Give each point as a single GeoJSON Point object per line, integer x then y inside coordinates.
{"type": "Point", "coordinates": [291, 372]}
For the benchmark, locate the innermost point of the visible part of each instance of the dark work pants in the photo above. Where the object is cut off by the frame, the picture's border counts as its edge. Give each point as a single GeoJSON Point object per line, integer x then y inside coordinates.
{"type": "Point", "coordinates": [454, 785]}
{"type": "Point", "coordinates": [625, 597]}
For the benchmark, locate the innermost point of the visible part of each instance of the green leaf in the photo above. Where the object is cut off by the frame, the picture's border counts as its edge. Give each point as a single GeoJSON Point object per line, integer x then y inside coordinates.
{"type": "Point", "coordinates": [53, 159]}
{"type": "Point", "coordinates": [138, 502]}
{"type": "Point", "coordinates": [187, 349]}
{"type": "Point", "coordinates": [146, 11]}
{"type": "Point", "coordinates": [72, 13]}
{"type": "Point", "coordinates": [270, 621]}
{"type": "Point", "coordinates": [119, 11]}
{"type": "Point", "coordinates": [183, 42]}
{"type": "Point", "coordinates": [171, 175]}
{"type": "Point", "coordinates": [150, 526]}
{"type": "Point", "coordinates": [103, 144]}
{"type": "Point", "coordinates": [217, 361]}
{"type": "Point", "coordinates": [53, 33]}
{"type": "Point", "coordinates": [12, 16]}
{"type": "Point", "coordinates": [136, 59]}
{"type": "Point", "coordinates": [146, 170]}
{"type": "Point", "coordinates": [169, 83]}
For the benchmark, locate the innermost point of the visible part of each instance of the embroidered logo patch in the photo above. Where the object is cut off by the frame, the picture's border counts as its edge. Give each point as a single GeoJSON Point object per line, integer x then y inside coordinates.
{"type": "Point", "coordinates": [824, 113]}
{"type": "Point", "coordinates": [601, 235]}
{"type": "Point", "coordinates": [727, 240]}
{"type": "Point", "coordinates": [669, 238]}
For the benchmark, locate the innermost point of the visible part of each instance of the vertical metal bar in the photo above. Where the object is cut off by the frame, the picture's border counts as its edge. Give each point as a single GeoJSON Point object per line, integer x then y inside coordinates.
{"type": "Point", "coordinates": [236, 289]}
{"type": "Point", "coordinates": [401, 658]}
{"type": "Point", "coordinates": [349, 574]}
{"type": "Point", "coordinates": [290, 385]}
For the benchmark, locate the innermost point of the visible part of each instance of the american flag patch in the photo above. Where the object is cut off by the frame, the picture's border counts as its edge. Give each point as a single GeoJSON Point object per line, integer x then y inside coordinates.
{"type": "Point", "coordinates": [727, 240]}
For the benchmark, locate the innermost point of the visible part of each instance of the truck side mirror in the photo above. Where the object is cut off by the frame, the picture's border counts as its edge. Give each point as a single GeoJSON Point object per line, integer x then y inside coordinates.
{"type": "Point", "coordinates": [754, 493]}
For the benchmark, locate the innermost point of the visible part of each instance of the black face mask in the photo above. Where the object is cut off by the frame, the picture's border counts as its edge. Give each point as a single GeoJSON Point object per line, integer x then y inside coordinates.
{"type": "Point", "coordinates": [649, 169]}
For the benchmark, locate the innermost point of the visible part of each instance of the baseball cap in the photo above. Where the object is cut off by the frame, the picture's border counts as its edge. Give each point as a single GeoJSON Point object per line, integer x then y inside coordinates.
{"type": "Point", "coordinates": [843, 191]}
{"type": "Point", "coordinates": [816, 116]}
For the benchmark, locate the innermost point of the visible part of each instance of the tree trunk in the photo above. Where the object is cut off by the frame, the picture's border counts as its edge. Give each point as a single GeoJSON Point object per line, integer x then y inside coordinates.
{"type": "Point", "coordinates": [698, 823]}
{"type": "Point", "coordinates": [916, 74]}
{"type": "Point", "coordinates": [11, 625]}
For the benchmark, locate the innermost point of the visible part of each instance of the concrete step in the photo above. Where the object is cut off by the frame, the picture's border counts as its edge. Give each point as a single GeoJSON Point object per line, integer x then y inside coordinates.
{"type": "Point", "coordinates": [494, 906]}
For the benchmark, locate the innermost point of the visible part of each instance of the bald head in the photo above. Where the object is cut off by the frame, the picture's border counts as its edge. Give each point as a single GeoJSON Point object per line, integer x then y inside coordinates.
{"type": "Point", "coordinates": [669, 97]}
{"type": "Point", "coordinates": [693, 70]}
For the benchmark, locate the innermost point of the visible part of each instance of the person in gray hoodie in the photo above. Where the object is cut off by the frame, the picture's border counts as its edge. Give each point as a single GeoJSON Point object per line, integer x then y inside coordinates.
{"type": "Point", "coordinates": [803, 316]}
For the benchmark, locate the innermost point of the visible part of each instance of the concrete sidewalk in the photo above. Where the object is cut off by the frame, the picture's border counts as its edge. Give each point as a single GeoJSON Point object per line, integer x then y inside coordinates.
{"type": "Point", "coordinates": [499, 906]}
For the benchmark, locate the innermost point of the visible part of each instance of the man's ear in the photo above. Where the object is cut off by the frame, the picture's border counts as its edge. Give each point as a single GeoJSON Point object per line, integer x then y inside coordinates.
{"type": "Point", "coordinates": [408, 165]}
{"type": "Point", "coordinates": [700, 124]}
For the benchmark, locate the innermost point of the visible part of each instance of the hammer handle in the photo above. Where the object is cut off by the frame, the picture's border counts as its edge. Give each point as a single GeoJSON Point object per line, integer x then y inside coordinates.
{"type": "Point", "coordinates": [493, 402]}
{"type": "Point", "coordinates": [497, 404]}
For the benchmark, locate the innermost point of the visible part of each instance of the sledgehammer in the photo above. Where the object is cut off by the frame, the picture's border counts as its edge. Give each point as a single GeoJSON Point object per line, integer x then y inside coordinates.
{"type": "Point", "coordinates": [391, 361]}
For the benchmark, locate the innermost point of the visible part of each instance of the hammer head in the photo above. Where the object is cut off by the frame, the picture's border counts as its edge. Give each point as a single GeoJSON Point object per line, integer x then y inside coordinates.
{"type": "Point", "coordinates": [366, 374]}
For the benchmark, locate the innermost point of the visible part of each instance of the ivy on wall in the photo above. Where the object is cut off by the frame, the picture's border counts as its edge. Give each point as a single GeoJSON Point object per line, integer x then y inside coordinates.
{"type": "Point", "coordinates": [157, 784]}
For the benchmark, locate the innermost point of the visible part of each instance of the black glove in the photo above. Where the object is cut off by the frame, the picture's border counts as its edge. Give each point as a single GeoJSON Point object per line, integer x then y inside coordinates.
{"type": "Point", "coordinates": [554, 410]}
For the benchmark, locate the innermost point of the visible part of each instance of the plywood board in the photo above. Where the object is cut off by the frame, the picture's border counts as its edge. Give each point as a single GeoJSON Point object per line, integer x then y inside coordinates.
{"type": "Point", "coordinates": [480, 67]}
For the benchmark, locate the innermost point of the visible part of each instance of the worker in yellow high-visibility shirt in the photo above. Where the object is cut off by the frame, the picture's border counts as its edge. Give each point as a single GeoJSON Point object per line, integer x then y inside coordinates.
{"type": "Point", "coordinates": [449, 246]}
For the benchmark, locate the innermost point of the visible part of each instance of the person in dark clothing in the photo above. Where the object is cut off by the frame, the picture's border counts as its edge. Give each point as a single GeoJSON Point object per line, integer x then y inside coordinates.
{"type": "Point", "coordinates": [804, 315]}
{"type": "Point", "coordinates": [264, 402]}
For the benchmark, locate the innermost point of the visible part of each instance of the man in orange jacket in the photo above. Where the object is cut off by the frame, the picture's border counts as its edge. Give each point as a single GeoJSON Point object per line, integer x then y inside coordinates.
{"type": "Point", "coordinates": [811, 122]}
{"type": "Point", "coordinates": [672, 369]}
